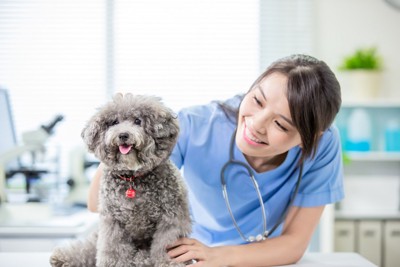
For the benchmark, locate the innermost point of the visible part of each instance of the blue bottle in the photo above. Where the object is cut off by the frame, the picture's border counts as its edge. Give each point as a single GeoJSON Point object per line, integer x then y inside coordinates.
{"type": "Point", "coordinates": [392, 136]}
{"type": "Point", "coordinates": [359, 133]}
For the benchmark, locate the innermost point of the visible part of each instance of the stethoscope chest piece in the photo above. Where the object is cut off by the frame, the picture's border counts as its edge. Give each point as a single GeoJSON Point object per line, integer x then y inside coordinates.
{"type": "Point", "coordinates": [258, 238]}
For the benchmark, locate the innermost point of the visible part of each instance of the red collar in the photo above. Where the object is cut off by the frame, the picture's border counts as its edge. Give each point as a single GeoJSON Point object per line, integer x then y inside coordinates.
{"type": "Point", "coordinates": [130, 193]}
{"type": "Point", "coordinates": [130, 179]}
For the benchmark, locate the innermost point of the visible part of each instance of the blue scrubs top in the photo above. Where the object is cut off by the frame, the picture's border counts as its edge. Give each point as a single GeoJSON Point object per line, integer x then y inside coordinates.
{"type": "Point", "coordinates": [203, 149]}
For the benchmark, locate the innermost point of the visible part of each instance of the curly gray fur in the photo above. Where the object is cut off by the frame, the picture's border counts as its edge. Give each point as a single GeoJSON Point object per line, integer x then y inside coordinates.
{"type": "Point", "coordinates": [133, 136]}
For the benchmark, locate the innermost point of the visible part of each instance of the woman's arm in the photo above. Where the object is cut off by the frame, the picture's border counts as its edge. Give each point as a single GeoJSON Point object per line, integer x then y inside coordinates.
{"type": "Point", "coordinates": [93, 197]}
{"type": "Point", "coordinates": [285, 249]}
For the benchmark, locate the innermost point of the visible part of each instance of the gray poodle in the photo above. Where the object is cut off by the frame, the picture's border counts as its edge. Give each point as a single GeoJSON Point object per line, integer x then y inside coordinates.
{"type": "Point", "coordinates": [143, 202]}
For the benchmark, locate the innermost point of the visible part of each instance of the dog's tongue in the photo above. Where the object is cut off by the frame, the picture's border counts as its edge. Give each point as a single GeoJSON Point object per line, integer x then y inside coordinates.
{"type": "Point", "coordinates": [124, 149]}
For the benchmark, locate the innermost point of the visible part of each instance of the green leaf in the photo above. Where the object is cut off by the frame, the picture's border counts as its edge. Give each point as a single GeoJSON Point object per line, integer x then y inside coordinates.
{"type": "Point", "coordinates": [364, 58]}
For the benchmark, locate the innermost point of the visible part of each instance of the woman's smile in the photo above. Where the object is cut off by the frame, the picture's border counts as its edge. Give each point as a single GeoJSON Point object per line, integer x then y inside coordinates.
{"type": "Point", "coordinates": [250, 138]}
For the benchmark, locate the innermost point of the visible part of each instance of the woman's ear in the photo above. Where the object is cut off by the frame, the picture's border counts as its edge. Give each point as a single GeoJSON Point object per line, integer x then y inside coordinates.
{"type": "Point", "coordinates": [301, 143]}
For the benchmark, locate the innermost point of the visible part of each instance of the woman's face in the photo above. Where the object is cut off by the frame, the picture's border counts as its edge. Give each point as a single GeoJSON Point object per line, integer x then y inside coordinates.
{"type": "Point", "coordinates": [265, 127]}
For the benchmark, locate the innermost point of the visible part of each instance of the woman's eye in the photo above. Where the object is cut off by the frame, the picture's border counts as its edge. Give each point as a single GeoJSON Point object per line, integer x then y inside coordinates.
{"type": "Point", "coordinates": [257, 101]}
{"type": "Point", "coordinates": [280, 126]}
{"type": "Point", "coordinates": [138, 121]}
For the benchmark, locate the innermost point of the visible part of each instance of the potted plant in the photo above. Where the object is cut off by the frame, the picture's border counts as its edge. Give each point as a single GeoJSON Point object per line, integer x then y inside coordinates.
{"type": "Point", "coordinates": [363, 71]}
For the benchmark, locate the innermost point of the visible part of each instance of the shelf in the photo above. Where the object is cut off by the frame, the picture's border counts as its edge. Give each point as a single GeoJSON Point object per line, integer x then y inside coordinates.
{"type": "Point", "coordinates": [373, 103]}
{"type": "Point", "coordinates": [367, 215]}
{"type": "Point", "coordinates": [373, 156]}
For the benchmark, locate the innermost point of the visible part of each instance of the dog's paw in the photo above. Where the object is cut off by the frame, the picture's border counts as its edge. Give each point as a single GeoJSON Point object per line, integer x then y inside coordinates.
{"type": "Point", "coordinates": [169, 264]}
{"type": "Point", "coordinates": [142, 258]}
{"type": "Point", "coordinates": [58, 259]}
{"type": "Point", "coordinates": [174, 264]}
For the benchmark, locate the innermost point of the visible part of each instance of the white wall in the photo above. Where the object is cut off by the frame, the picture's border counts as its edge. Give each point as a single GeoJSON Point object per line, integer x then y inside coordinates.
{"type": "Point", "coordinates": [345, 25]}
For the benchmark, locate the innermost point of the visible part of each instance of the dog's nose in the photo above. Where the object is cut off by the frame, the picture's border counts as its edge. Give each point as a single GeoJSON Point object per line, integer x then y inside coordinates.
{"type": "Point", "coordinates": [123, 136]}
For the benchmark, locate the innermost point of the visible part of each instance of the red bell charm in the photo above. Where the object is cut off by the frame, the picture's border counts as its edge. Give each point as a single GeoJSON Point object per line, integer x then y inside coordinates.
{"type": "Point", "coordinates": [130, 193]}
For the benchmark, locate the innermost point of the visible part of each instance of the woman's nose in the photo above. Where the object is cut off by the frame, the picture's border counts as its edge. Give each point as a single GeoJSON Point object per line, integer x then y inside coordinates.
{"type": "Point", "coordinates": [259, 123]}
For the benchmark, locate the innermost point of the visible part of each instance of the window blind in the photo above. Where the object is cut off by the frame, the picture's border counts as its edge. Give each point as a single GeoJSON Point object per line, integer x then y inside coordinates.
{"type": "Point", "coordinates": [286, 27]}
{"type": "Point", "coordinates": [52, 61]}
{"type": "Point", "coordinates": [189, 52]}
{"type": "Point", "coordinates": [68, 57]}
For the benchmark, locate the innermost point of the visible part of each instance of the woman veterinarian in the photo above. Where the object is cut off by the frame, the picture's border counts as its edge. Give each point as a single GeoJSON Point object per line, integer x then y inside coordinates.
{"type": "Point", "coordinates": [260, 167]}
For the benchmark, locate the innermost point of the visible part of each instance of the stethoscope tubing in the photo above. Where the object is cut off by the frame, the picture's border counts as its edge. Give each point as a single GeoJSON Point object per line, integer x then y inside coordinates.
{"type": "Point", "coordinates": [226, 197]}
{"type": "Point", "coordinates": [266, 233]}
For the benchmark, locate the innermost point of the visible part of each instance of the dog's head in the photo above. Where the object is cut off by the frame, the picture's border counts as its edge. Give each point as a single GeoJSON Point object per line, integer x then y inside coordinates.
{"type": "Point", "coordinates": [132, 132]}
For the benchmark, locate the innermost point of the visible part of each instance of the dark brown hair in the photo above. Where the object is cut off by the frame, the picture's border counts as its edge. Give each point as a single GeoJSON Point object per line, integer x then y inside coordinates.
{"type": "Point", "coordinates": [313, 93]}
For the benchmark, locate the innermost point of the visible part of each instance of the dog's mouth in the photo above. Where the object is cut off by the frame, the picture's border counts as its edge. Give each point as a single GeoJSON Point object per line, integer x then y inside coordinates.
{"type": "Point", "coordinates": [124, 149]}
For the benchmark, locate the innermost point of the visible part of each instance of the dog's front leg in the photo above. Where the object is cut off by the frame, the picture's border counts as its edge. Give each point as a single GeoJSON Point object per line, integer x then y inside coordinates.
{"type": "Point", "coordinates": [114, 247]}
{"type": "Point", "coordinates": [78, 253]}
{"type": "Point", "coordinates": [168, 231]}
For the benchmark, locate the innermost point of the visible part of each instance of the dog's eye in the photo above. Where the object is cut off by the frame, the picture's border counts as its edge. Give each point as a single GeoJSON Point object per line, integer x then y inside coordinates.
{"type": "Point", "coordinates": [112, 123]}
{"type": "Point", "coordinates": [138, 121]}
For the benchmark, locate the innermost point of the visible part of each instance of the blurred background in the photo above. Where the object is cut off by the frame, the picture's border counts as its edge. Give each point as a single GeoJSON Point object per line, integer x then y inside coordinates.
{"type": "Point", "coordinates": [60, 60]}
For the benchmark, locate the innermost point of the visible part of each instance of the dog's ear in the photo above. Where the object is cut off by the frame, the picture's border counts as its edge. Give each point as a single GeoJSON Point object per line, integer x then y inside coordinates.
{"type": "Point", "coordinates": [90, 134]}
{"type": "Point", "coordinates": [166, 130]}
{"type": "Point", "coordinates": [172, 121]}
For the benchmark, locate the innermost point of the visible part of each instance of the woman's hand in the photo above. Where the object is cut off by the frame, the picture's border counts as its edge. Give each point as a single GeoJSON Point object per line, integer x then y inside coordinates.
{"type": "Point", "coordinates": [187, 249]}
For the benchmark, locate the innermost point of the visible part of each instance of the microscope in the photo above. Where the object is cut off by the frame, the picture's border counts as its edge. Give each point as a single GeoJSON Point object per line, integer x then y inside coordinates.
{"type": "Point", "coordinates": [33, 142]}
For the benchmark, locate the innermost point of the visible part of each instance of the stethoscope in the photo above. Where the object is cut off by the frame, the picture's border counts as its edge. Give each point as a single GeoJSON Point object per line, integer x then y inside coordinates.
{"type": "Point", "coordinates": [266, 233]}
